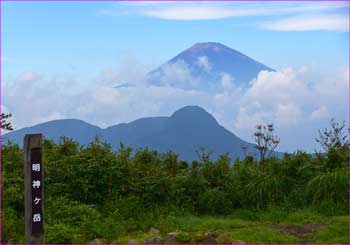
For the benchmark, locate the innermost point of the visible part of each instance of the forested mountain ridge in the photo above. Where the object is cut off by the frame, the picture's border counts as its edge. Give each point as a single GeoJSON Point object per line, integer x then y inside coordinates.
{"type": "Point", "coordinates": [184, 132]}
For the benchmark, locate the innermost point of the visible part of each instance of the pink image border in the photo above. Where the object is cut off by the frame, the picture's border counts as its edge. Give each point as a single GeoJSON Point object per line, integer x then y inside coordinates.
{"type": "Point", "coordinates": [242, 1]}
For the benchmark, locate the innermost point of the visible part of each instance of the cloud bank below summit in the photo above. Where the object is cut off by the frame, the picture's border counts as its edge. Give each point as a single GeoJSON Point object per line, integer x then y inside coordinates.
{"type": "Point", "coordinates": [297, 100]}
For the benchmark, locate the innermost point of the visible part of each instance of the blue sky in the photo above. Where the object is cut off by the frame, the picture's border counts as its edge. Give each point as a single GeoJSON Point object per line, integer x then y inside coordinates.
{"type": "Point", "coordinates": [76, 47]}
{"type": "Point", "coordinates": [90, 36]}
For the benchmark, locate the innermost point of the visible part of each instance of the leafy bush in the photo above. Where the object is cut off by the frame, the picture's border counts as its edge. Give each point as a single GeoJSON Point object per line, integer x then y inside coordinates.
{"type": "Point", "coordinates": [331, 186]}
{"type": "Point", "coordinates": [93, 192]}
{"type": "Point", "coordinates": [264, 189]}
{"type": "Point", "coordinates": [214, 201]}
{"type": "Point", "coordinates": [61, 233]}
{"type": "Point", "coordinates": [12, 226]}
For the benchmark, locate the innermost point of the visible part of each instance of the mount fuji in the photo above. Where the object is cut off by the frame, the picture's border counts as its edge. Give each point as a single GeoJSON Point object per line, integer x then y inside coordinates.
{"type": "Point", "coordinates": [207, 67]}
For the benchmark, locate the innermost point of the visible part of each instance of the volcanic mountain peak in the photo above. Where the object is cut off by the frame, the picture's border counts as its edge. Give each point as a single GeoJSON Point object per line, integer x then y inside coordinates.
{"type": "Point", "coordinates": [202, 66]}
{"type": "Point", "coordinates": [208, 45]}
{"type": "Point", "coordinates": [193, 114]}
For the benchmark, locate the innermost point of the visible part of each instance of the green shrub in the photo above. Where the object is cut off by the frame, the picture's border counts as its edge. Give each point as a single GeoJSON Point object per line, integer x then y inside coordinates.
{"type": "Point", "coordinates": [247, 214]}
{"type": "Point", "coordinates": [93, 192]}
{"type": "Point", "coordinates": [214, 201]}
{"type": "Point", "coordinates": [264, 189]}
{"type": "Point", "coordinates": [61, 233]}
{"type": "Point", "coordinates": [12, 226]}
{"type": "Point", "coordinates": [63, 210]}
{"type": "Point", "coordinates": [337, 158]}
{"type": "Point", "coordinates": [330, 187]}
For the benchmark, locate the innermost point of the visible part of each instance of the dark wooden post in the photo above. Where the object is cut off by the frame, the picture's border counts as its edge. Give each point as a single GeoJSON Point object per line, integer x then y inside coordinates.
{"type": "Point", "coordinates": [33, 189]}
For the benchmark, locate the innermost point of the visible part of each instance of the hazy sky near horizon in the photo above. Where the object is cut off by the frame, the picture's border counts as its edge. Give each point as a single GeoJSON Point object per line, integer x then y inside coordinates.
{"type": "Point", "coordinates": [65, 57]}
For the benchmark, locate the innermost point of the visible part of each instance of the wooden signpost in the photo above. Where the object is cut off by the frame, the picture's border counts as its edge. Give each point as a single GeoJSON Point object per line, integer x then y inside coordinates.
{"type": "Point", "coordinates": [33, 189]}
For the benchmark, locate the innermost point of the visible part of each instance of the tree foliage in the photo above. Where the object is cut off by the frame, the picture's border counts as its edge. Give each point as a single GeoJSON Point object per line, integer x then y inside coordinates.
{"type": "Point", "coordinates": [93, 192]}
{"type": "Point", "coordinates": [333, 137]}
{"type": "Point", "coordinates": [5, 124]}
{"type": "Point", "coordinates": [266, 140]}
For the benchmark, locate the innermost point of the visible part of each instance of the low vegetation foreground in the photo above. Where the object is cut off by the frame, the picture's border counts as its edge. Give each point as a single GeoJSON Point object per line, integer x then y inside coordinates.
{"type": "Point", "coordinates": [93, 194]}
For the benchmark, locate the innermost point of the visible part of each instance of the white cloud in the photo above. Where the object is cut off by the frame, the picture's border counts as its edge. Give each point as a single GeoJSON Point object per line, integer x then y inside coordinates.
{"type": "Point", "coordinates": [320, 113]}
{"type": "Point", "coordinates": [177, 74]}
{"type": "Point", "coordinates": [248, 120]}
{"type": "Point", "coordinates": [289, 98]}
{"type": "Point", "coordinates": [296, 100]}
{"type": "Point", "coordinates": [288, 114]}
{"type": "Point", "coordinates": [189, 12]}
{"type": "Point", "coordinates": [227, 81]}
{"type": "Point", "coordinates": [204, 63]}
{"type": "Point", "coordinates": [290, 16]}
{"type": "Point", "coordinates": [328, 22]}
{"type": "Point", "coordinates": [106, 106]}
{"type": "Point", "coordinates": [129, 71]}
{"type": "Point", "coordinates": [184, 76]}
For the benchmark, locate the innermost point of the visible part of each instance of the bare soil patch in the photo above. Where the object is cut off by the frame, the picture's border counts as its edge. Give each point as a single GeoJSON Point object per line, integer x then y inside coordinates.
{"type": "Point", "coordinates": [298, 229]}
{"type": "Point", "coordinates": [304, 232]}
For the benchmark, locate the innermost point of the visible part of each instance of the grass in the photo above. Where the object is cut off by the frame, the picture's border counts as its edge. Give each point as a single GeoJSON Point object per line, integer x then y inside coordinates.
{"type": "Point", "coordinates": [140, 237]}
{"type": "Point", "coordinates": [252, 227]}
{"type": "Point", "coordinates": [260, 235]}
{"type": "Point", "coordinates": [192, 223]}
{"type": "Point", "coordinates": [336, 232]}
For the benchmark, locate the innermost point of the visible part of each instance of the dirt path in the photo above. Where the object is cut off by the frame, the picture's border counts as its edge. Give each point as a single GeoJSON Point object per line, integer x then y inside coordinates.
{"type": "Point", "coordinates": [303, 232]}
